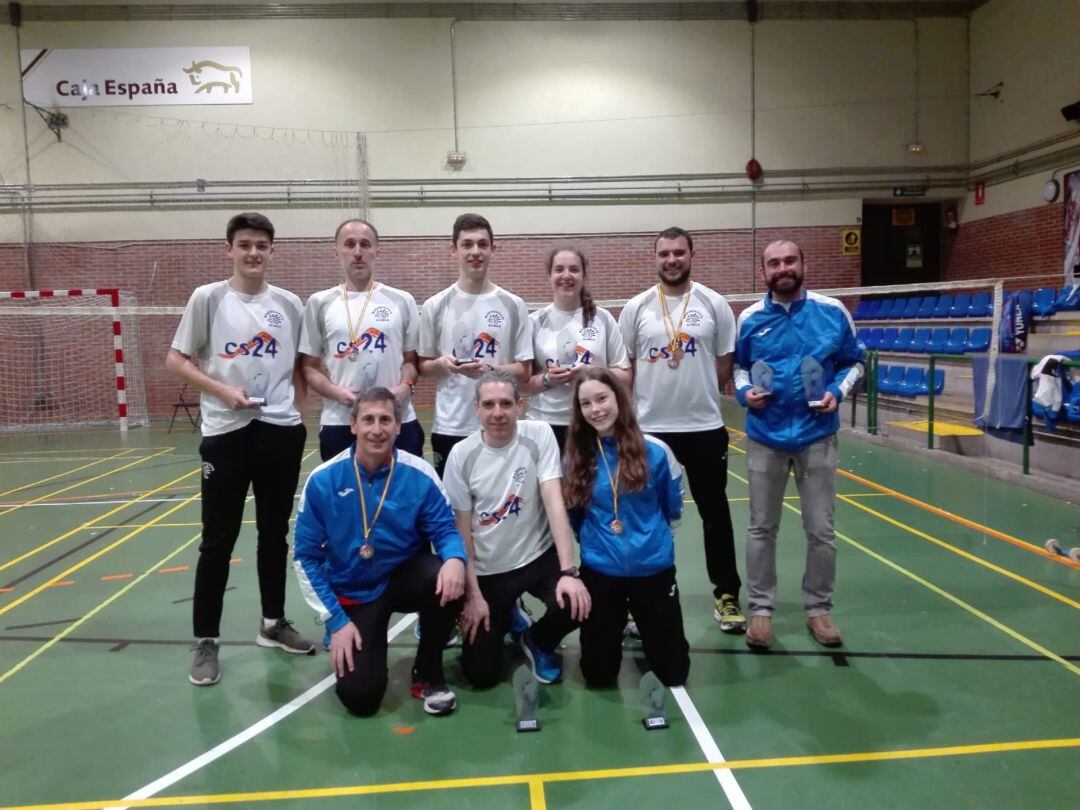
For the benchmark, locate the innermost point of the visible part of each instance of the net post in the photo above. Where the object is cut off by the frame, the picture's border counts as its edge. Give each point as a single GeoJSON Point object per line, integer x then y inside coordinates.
{"type": "Point", "coordinates": [118, 357]}
{"type": "Point", "coordinates": [930, 406]}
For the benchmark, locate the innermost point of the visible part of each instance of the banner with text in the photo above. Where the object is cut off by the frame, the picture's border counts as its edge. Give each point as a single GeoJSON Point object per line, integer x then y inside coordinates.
{"type": "Point", "coordinates": [125, 77]}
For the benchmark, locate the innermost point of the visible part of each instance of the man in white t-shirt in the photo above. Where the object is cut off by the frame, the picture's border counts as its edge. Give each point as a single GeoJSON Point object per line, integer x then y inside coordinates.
{"type": "Point", "coordinates": [681, 337]}
{"type": "Point", "coordinates": [505, 484]}
{"type": "Point", "coordinates": [244, 334]}
{"type": "Point", "coordinates": [471, 326]}
{"type": "Point", "coordinates": [358, 335]}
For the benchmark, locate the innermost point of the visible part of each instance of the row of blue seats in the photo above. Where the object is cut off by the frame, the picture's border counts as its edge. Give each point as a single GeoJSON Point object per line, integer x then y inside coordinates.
{"type": "Point", "coordinates": [908, 381]}
{"type": "Point", "coordinates": [942, 340]}
{"type": "Point", "coordinates": [1048, 300]}
{"type": "Point", "coordinates": [963, 305]}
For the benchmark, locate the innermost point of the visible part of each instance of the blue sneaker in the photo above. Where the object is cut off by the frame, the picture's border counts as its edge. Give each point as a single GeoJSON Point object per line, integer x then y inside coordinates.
{"type": "Point", "coordinates": [520, 620]}
{"type": "Point", "coordinates": [545, 665]}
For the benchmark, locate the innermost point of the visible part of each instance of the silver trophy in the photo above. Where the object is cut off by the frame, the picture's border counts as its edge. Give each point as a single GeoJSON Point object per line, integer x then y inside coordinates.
{"type": "Point", "coordinates": [256, 382]}
{"type": "Point", "coordinates": [527, 698]}
{"type": "Point", "coordinates": [654, 696]}
{"type": "Point", "coordinates": [461, 346]}
{"type": "Point", "coordinates": [813, 376]}
{"type": "Point", "coordinates": [566, 348]}
{"type": "Point", "coordinates": [761, 375]}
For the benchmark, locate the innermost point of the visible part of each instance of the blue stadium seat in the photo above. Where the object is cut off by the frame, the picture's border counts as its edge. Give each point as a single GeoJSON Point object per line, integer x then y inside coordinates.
{"type": "Point", "coordinates": [888, 339]}
{"type": "Point", "coordinates": [927, 306]}
{"type": "Point", "coordinates": [891, 382]}
{"type": "Point", "coordinates": [882, 373]}
{"type": "Point", "coordinates": [874, 340]}
{"type": "Point", "coordinates": [1068, 299]}
{"type": "Point", "coordinates": [899, 305]}
{"type": "Point", "coordinates": [860, 310]}
{"type": "Point", "coordinates": [873, 309]}
{"type": "Point", "coordinates": [911, 309]}
{"type": "Point", "coordinates": [938, 338]}
{"type": "Point", "coordinates": [944, 304]}
{"type": "Point", "coordinates": [1044, 302]}
{"type": "Point", "coordinates": [1071, 406]}
{"type": "Point", "coordinates": [958, 340]}
{"type": "Point", "coordinates": [960, 306]}
{"type": "Point", "coordinates": [862, 333]}
{"type": "Point", "coordinates": [939, 382]}
{"type": "Point", "coordinates": [980, 339]}
{"type": "Point", "coordinates": [981, 306]}
{"type": "Point", "coordinates": [920, 340]}
{"type": "Point", "coordinates": [912, 381]}
{"type": "Point", "coordinates": [903, 339]}
{"type": "Point", "coordinates": [887, 307]}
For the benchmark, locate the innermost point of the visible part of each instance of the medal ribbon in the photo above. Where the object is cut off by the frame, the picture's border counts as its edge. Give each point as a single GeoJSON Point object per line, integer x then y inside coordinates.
{"type": "Point", "coordinates": [668, 320]}
{"type": "Point", "coordinates": [613, 481]}
{"type": "Point", "coordinates": [382, 499]}
{"type": "Point", "coordinates": [355, 333]}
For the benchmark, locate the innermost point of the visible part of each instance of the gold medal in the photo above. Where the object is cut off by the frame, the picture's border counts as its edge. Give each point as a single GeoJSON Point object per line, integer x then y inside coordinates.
{"type": "Point", "coordinates": [672, 331]}
{"type": "Point", "coordinates": [352, 352]}
{"type": "Point", "coordinates": [616, 526]}
{"type": "Point", "coordinates": [367, 551]}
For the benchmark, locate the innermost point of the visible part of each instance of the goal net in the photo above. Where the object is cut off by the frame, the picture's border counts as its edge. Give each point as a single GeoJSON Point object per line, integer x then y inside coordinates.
{"type": "Point", "coordinates": [63, 362]}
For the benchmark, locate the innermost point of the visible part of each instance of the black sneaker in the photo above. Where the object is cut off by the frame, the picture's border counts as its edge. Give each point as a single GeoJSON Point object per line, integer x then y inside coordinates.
{"type": "Point", "coordinates": [438, 699]}
{"type": "Point", "coordinates": [205, 671]}
{"type": "Point", "coordinates": [284, 636]}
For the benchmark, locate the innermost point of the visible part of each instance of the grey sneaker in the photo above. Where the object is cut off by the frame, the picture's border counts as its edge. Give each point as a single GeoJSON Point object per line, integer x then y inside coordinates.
{"type": "Point", "coordinates": [284, 636]}
{"type": "Point", "coordinates": [205, 671]}
{"type": "Point", "coordinates": [438, 699]}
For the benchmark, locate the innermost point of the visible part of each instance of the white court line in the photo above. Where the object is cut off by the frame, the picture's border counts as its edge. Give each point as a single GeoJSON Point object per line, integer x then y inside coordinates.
{"type": "Point", "coordinates": [237, 740]}
{"type": "Point", "coordinates": [95, 503]}
{"type": "Point", "coordinates": [711, 750]}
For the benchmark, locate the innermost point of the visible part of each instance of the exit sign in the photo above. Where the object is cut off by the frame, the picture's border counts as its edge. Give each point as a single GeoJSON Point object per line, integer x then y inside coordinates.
{"type": "Point", "coordinates": [909, 191]}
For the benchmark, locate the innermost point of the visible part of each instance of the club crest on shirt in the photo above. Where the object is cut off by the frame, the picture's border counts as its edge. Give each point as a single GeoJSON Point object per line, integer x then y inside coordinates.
{"type": "Point", "coordinates": [693, 317]}
{"type": "Point", "coordinates": [381, 314]}
{"type": "Point", "coordinates": [274, 319]}
{"type": "Point", "coordinates": [589, 333]}
{"type": "Point", "coordinates": [519, 475]}
{"type": "Point", "coordinates": [493, 318]}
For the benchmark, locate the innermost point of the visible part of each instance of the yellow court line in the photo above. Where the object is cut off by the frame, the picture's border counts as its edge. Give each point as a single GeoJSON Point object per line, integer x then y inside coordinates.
{"type": "Point", "coordinates": [92, 523]}
{"type": "Point", "coordinates": [567, 776]}
{"type": "Point", "coordinates": [90, 559]}
{"type": "Point", "coordinates": [971, 524]}
{"type": "Point", "coordinates": [536, 795]}
{"type": "Point", "coordinates": [139, 460]}
{"type": "Point", "coordinates": [965, 554]}
{"type": "Point", "coordinates": [71, 628]}
{"type": "Point", "coordinates": [66, 472]}
{"type": "Point", "coordinates": [956, 600]}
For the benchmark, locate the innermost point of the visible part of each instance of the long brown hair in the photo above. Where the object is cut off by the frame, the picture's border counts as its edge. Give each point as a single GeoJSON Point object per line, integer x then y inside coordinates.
{"type": "Point", "coordinates": [580, 451]}
{"type": "Point", "coordinates": [588, 306]}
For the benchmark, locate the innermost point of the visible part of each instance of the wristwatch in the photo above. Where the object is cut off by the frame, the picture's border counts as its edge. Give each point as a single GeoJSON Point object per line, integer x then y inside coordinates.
{"type": "Point", "coordinates": [572, 571]}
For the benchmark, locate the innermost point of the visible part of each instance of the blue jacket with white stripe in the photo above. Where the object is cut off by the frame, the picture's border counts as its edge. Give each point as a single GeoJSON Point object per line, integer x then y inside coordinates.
{"type": "Point", "coordinates": [783, 336]}
{"type": "Point", "coordinates": [328, 532]}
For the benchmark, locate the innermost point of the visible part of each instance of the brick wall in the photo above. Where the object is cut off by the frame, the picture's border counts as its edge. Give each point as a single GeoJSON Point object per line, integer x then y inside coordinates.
{"type": "Point", "coordinates": [1021, 243]}
{"type": "Point", "coordinates": [163, 273]}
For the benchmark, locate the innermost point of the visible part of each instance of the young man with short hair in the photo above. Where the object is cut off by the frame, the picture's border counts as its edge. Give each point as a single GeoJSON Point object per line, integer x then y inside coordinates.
{"type": "Point", "coordinates": [680, 335]}
{"type": "Point", "coordinates": [471, 326]}
{"type": "Point", "coordinates": [364, 528]}
{"type": "Point", "coordinates": [357, 335]}
{"type": "Point", "coordinates": [505, 484]}
{"type": "Point", "coordinates": [244, 333]}
{"type": "Point", "coordinates": [808, 359]}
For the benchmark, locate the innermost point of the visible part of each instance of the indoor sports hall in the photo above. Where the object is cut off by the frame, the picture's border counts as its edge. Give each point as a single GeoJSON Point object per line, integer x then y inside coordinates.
{"type": "Point", "coordinates": [924, 156]}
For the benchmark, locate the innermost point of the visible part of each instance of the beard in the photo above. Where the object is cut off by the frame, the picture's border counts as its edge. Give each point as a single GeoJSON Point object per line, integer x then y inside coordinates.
{"type": "Point", "coordinates": [785, 283]}
{"type": "Point", "coordinates": [678, 280]}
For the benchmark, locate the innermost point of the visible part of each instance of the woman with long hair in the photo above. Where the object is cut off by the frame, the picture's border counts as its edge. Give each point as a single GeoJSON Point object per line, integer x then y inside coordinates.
{"type": "Point", "coordinates": [624, 492]}
{"type": "Point", "coordinates": [569, 334]}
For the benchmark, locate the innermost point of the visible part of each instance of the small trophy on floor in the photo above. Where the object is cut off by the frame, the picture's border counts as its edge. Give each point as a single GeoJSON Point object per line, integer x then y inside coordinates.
{"type": "Point", "coordinates": [527, 697]}
{"type": "Point", "coordinates": [653, 695]}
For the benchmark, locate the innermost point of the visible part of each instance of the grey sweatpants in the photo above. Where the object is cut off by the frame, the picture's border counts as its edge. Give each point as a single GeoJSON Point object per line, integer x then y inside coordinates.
{"type": "Point", "coordinates": [815, 477]}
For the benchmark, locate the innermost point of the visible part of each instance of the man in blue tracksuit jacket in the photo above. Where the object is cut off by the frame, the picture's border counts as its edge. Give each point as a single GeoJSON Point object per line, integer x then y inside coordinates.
{"type": "Point", "coordinates": [791, 422]}
{"type": "Point", "coordinates": [363, 528]}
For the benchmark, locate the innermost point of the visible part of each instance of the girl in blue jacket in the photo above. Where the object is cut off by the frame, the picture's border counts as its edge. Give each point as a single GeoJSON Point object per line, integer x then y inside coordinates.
{"type": "Point", "coordinates": [624, 490]}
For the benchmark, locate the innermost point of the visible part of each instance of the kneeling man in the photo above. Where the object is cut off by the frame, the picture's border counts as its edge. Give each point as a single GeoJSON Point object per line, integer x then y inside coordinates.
{"type": "Point", "coordinates": [505, 484]}
{"type": "Point", "coordinates": [364, 527]}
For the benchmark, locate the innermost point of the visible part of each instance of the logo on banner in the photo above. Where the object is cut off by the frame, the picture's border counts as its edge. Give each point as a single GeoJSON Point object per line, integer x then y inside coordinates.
{"type": "Point", "coordinates": [227, 77]}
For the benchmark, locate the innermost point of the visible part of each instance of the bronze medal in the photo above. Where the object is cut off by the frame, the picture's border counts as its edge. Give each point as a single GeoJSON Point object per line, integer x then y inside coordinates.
{"type": "Point", "coordinates": [367, 551]}
{"type": "Point", "coordinates": [677, 353]}
{"type": "Point", "coordinates": [673, 363]}
{"type": "Point", "coordinates": [352, 353]}
{"type": "Point", "coordinates": [616, 526]}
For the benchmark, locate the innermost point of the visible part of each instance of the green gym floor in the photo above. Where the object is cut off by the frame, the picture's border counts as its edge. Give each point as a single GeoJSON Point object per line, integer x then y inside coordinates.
{"type": "Point", "coordinates": [958, 684]}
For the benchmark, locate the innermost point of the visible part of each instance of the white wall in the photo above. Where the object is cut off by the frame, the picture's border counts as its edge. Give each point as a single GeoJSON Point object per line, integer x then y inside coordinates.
{"type": "Point", "coordinates": [534, 99]}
